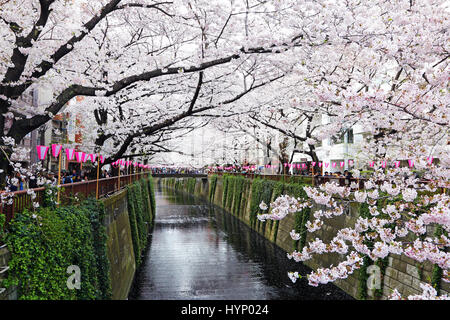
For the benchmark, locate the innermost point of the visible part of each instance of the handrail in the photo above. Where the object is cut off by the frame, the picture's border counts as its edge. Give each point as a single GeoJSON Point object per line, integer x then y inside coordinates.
{"type": "Point", "coordinates": [22, 200]}
{"type": "Point", "coordinates": [315, 180]}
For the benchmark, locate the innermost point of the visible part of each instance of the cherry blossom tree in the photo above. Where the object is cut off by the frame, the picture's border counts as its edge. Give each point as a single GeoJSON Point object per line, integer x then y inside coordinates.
{"type": "Point", "coordinates": [386, 68]}
{"type": "Point", "coordinates": [122, 45]}
{"type": "Point", "coordinates": [148, 69]}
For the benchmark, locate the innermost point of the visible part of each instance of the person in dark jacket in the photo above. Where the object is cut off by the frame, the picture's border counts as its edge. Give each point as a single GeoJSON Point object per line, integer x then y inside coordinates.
{"type": "Point", "coordinates": [11, 185]}
{"type": "Point", "coordinates": [32, 183]}
{"type": "Point", "coordinates": [67, 178]}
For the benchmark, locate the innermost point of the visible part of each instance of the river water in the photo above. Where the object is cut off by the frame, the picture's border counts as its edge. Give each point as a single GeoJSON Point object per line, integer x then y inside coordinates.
{"type": "Point", "coordinates": [199, 251]}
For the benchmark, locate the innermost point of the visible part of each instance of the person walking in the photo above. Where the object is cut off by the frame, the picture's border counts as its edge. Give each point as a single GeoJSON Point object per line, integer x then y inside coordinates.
{"type": "Point", "coordinates": [21, 183]}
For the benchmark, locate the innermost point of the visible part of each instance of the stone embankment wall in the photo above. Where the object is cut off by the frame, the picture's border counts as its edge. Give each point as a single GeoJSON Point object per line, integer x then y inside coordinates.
{"type": "Point", "coordinates": [401, 273]}
{"type": "Point", "coordinates": [119, 245]}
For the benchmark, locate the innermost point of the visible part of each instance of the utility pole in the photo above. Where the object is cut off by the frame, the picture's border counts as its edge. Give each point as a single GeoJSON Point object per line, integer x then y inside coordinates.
{"type": "Point", "coordinates": [34, 133]}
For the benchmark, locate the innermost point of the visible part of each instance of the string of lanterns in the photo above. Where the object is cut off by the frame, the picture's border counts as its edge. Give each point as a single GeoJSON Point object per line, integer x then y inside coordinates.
{"type": "Point", "coordinates": [371, 164]}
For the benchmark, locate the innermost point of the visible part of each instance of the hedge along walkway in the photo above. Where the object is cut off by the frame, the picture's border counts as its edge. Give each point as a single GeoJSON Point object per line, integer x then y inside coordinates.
{"type": "Point", "coordinates": [141, 212]}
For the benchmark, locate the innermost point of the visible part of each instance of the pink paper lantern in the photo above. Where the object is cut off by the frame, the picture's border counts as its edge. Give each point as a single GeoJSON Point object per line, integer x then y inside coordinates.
{"type": "Point", "coordinates": [70, 154]}
{"type": "Point", "coordinates": [42, 152]}
{"type": "Point", "coordinates": [92, 156]}
{"type": "Point", "coordinates": [79, 156]}
{"type": "Point", "coordinates": [56, 149]}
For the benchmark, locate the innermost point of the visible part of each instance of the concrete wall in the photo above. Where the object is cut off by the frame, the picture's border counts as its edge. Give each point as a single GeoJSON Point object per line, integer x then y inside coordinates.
{"type": "Point", "coordinates": [119, 245]}
{"type": "Point", "coordinates": [401, 272]}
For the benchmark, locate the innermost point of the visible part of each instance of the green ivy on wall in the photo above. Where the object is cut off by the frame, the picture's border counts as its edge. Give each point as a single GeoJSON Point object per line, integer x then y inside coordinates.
{"type": "Point", "coordinates": [277, 191]}
{"type": "Point", "coordinates": [146, 200]}
{"type": "Point", "coordinates": [275, 231]}
{"type": "Point", "coordinates": [239, 183]}
{"type": "Point", "coordinates": [191, 185]}
{"type": "Point", "coordinates": [230, 188]}
{"type": "Point", "coordinates": [151, 190]}
{"type": "Point", "coordinates": [261, 191]}
{"type": "Point", "coordinates": [266, 196]}
{"type": "Point", "coordinates": [140, 216]}
{"type": "Point", "coordinates": [96, 211]}
{"type": "Point", "coordinates": [225, 190]}
{"type": "Point", "coordinates": [133, 225]}
{"type": "Point", "coordinates": [44, 243]}
{"type": "Point", "coordinates": [437, 273]}
{"type": "Point", "coordinates": [257, 187]}
{"type": "Point", "coordinates": [212, 187]}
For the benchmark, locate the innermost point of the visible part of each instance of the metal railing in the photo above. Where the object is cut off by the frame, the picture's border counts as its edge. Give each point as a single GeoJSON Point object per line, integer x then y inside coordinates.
{"type": "Point", "coordinates": [22, 200]}
{"type": "Point", "coordinates": [179, 175]}
{"type": "Point", "coordinates": [315, 181]}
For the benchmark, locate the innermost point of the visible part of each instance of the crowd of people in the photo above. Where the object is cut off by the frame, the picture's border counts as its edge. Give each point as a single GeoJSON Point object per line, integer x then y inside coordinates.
{"type": "Point", "coordinates": [245, 170]}
{"type": "Point", "coordinates": [337, 174]}
{"type": "Point", "coordinates": [177, 170]}
{"type": "Point", "coordinates": [262, 170]}
{"type": "Point", "coordinates": [17, 182]}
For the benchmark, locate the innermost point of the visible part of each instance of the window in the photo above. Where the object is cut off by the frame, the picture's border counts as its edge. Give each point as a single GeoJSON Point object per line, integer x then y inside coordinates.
{"type": "Point", "coordinates": [340, 138]}
{"type": "Point", "coordinates": [350, 135]}
{"type": "Point", "coordinates": [337, 139]}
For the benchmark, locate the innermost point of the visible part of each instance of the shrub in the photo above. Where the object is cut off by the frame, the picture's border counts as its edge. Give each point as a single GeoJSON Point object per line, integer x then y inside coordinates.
{"type": "Point", "coordinates": [44, 243]}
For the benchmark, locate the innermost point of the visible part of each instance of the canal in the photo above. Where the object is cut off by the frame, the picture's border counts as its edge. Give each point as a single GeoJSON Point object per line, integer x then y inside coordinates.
{"type": "Point", "coordinates": [199, 251]}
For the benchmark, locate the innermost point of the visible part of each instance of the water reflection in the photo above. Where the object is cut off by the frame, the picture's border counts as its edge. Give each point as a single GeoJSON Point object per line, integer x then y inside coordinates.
{"type": "Point", "coordinates": [198, 251]}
